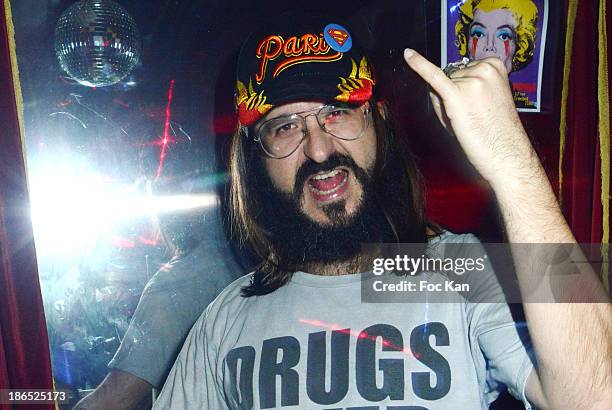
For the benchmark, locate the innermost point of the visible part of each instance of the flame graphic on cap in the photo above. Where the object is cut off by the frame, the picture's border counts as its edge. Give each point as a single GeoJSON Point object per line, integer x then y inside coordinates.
{"type": "Point", "coordinates": [357, 87]}
{"type": "Point", "coordinates": [251, 105]}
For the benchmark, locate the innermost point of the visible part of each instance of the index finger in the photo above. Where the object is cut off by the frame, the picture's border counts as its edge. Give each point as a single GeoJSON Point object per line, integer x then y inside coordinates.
{"type": "Point", "coordinates": [432, 74]}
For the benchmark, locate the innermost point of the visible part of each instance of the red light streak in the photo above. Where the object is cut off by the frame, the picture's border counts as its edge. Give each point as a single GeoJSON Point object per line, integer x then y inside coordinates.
{"type": "Point", "coordinates": [121, 103]}
{"type": "Point", "coordinates": [124, 243]}
{"type": "Point", "coordinates": [165, 136]}
{"type": "Point", "coordinates": [147, 241]}
{"type": "Point", "coordinates": [360, 335]}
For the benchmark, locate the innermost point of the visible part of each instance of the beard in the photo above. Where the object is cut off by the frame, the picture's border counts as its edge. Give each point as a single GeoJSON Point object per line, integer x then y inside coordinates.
{"type": "Point", "coordinates": [298, 240]}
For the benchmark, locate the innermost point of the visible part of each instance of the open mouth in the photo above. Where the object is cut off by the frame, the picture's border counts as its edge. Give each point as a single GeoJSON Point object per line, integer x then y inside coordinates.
{"type": "Point", "coordinates": [328, 185]}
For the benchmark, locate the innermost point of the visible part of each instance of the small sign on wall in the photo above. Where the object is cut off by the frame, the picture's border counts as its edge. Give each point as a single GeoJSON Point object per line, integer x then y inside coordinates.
{"type": "Point", "coordinates": [512, 30]}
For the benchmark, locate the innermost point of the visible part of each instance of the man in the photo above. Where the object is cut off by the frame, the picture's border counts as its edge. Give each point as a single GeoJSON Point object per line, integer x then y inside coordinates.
{"type": "Point", "coordinates": [317, 171]}
{"type": "Point", "coordinates": [170, 303]}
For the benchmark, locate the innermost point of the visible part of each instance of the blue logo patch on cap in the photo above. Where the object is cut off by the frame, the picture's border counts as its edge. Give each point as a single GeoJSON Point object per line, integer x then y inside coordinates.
{"type": "Point", "coordinates": [338, 38]}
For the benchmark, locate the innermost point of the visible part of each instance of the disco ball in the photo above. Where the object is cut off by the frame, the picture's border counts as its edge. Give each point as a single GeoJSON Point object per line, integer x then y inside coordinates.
{"type": "Point", "coordinates": [97, 42]}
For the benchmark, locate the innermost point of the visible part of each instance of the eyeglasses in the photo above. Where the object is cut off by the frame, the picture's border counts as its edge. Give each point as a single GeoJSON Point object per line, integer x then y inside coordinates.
{"type": "Point", "coordinates": [279, 137]}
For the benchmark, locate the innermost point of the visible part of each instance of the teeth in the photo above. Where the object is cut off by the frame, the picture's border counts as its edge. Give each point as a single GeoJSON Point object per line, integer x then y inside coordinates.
{"type": "Point", "coordinates": [328, 175]}
{"type": "Point", "coordinates": [329, 191]}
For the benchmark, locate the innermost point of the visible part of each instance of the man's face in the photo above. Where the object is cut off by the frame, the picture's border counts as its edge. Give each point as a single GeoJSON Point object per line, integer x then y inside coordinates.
{"type": "Point", "coordinates": [493, 34]}
{"type": "Point", "coordinates": [326, 194]}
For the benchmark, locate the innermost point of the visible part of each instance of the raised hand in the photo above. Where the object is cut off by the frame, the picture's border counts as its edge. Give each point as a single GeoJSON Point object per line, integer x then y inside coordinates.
{"type": "Point", "coordinates": [476, 105]}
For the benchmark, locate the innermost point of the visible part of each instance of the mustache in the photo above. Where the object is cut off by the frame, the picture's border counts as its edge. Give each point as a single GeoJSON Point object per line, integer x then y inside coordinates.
{"type": "Point", "coordinates": [310, 167]}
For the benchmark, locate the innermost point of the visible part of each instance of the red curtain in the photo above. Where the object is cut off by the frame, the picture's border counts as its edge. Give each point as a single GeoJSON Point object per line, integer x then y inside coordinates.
{"type": "Point", "coordinates": [24, 352]}
{"type": "Point", "coordinates": [581, 164]}
{"type": "Point", "coordinates": [581, 152]}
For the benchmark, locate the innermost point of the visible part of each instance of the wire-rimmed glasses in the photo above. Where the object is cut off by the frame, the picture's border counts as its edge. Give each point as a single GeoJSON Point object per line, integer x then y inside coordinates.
{"type": "Point", "coordinates": [279, 137]}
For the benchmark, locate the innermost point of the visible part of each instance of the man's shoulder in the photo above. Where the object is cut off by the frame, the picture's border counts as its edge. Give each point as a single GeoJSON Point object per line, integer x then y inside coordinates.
{"type": "Point", "coordinates": [209, 268]}
{"type": "Point", "coordinates": [225, 308]}
{"type": "Point", "coordinates": [232, 293]}
{"type": "Point", "coordinates": [448, 244]}
{"type": "Point", "coordinates": [448, 237]}
{"type": "Point", "coordinates": [230, 300]}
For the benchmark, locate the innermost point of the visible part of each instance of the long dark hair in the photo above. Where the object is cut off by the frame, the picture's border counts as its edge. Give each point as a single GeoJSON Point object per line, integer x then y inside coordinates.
{"type": "Point", "coordinates": [398, 192]}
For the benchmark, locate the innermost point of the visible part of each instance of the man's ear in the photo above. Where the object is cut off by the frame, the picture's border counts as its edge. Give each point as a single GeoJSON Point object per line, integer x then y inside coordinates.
{"type": "Point", "coordinates": [382, 109]}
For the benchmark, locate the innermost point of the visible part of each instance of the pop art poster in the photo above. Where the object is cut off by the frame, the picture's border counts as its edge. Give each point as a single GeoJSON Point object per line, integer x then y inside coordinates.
{"type": "Point", "coordinates": [512, 30]}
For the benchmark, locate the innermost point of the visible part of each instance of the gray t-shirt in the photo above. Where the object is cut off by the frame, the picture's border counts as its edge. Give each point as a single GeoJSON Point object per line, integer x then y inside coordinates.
{"type": "Point", "coordinates": [312, 344]}
{"type": "Point", "coordinates": [171, 302]}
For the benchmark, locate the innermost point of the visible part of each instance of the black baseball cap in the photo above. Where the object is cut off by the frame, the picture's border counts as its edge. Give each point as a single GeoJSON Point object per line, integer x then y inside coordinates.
{"type": "Point", "coordinates": [300, 58]}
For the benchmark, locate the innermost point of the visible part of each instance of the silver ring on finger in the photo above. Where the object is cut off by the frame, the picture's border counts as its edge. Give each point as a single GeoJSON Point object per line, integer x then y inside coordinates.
{"type": "Point", "coordinates": [452, 68]}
